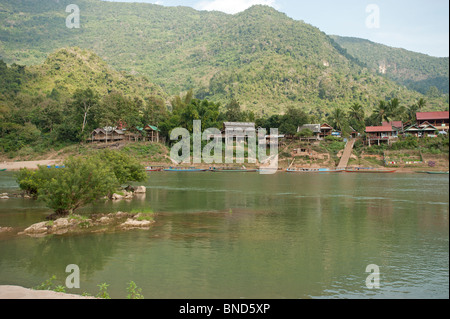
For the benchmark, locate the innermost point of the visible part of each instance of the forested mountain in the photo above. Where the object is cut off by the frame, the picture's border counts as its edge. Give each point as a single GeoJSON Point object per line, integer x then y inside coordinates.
{"type": "Point", "coordinates": [261, 57]}
{"type": "Point", "coordinates": [62, 100]}
{"type": "Point", "coordinates": [417, 71]}
{"type": "Point", "coordinates": [71, 69]}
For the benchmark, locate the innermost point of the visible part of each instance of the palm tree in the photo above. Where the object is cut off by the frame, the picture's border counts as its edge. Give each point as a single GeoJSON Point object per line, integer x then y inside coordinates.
{"type": "Point", "coordinates": [356, 116]}
{"type": "Point", "coordinates": [357, 112]}
{"type": "Point", "coordinates": [413, 109]}
{"type": "Point", "coordinates": [338, 118]}
{"type": "Point", "coordinates": [387, 111]}
{"type": "Point", "coordinates": [393, 107]}
{"type": "Point", "coordinates": [421, 104]}
{"type": "Point", "coordinates": [382, 112]}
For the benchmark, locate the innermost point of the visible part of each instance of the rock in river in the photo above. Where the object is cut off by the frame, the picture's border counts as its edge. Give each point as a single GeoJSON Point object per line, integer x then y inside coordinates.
{"type": "Point", "coordinates": [140, 190]}
{"type": "Point", "coordinates": [132, 223]}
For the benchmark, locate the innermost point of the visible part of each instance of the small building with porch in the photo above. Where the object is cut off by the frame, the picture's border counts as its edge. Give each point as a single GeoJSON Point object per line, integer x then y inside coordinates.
{"type": "Point", "coordinates": [238, 127]}
{"type": "Point", "coordinates": [381, 134]}
{"type": "Point", "coordinates": [314, 128]}
{"type": "Point", "coordinates": [152, 133]}
{"type": "Point", "coordinates": [423, 130]}
{"type": "Point", "coordinates": [107, 134]}
{"type": "Point", "coordinates": [325, 130]}
{"type": "Point", "coordinates": [240, 130]}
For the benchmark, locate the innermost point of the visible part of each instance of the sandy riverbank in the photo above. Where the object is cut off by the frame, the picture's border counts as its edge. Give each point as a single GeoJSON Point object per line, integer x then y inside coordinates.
{"type": "Point", "coordinates": [17, 292]}
{"type": "Point", "coordinates": [15, 166]}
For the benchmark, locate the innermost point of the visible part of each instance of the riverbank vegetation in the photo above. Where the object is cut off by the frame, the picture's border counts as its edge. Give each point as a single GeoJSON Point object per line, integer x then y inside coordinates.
{"type": "Point", "coordinates": [52, 284]}
{"type": "Point", "coordinates": [81, 181]}
{"type": "Point", "coordinates": [56, 105]}
{"type": "Point", "coordinates": [42, 120]}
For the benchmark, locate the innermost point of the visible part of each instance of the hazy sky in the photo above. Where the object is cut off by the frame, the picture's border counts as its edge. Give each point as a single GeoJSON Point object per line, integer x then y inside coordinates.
{"type": "Point", "coordinates": [416, 25]}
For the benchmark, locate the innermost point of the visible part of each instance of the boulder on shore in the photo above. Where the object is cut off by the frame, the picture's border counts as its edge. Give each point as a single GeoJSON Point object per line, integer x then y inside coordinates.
{"type": "Point", "coordinates": [132, 223]}
{"type": "Point", "coordinates": [36, 229]}
{"type": "Point", "coordinates": [5, 229]}
{"type": "Point", "coordinates": [116, 197]}
{"type": "Point", "coordinates": [140, 190]}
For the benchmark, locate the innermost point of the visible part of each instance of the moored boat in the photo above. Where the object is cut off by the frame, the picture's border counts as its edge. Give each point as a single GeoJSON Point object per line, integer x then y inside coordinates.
{"type": "Point", "coordinates": [2, 169]}
{"type": "Point", "coordinates": [153, 169]}
{"type": "Point", "coordinates": [368, 170]}
{"type": "Point", "coordinates": [436, 173]}
{"type": "Point", "coordinates": [314, 170]}
{"type": "Point", "coordinates": [184, 169]}
{"type": "Point", "coordinates": [233, 170]}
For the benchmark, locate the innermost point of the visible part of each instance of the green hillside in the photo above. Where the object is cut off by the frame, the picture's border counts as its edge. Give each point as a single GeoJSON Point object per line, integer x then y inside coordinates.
{"type": "Point", "coordinates": [261, 57]}
{"type": "Point", "coordinates": [60, 101]}
{"type": "Point", "coordinates": [417, 71]}
{"type": "Point", "coordinates": [69, 69]}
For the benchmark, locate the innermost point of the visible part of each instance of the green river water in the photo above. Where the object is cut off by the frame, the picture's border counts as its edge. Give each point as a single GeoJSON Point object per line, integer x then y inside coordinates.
{"type": "Point", "coordinates": [245, 235]}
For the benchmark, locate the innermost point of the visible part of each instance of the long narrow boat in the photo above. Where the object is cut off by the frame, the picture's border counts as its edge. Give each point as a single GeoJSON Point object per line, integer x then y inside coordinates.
{"type": "Point", "coordinates": [153, 169]}
{"type": "Point", "coordinates": [182, 169]}
{"type": "Point", "coordinates": [2, 169]}
{"type": "Point", "coordinates": [369, 170]}
{"type": "Point", "coordinates": [314, 170]}
{"type": "Point", "coordinates": [437, 173]}
{"type": "Point", "coordinates": [234, 170]}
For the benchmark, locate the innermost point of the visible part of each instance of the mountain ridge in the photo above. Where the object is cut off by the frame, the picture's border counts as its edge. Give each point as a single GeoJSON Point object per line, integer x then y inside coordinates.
{"type": "Point", "coordinates": [418, 71]}
{"type": "Point", "coordinates": [260, 56]}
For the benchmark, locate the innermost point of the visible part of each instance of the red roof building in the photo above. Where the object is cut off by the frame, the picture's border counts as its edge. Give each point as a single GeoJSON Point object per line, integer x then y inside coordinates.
{"type": "Point", "coordinates": [397, 124]}
{"type": "Point", "coordinates": [438, 119]}
{"type": "Point", "coordinates": [378, 134]}
{"type": "Point", "coordinates": [379, 129]}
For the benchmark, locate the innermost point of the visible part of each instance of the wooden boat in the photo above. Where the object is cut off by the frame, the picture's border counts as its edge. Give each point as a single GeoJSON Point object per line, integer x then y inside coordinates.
{"type": "Point", "coordinates": [153, 169]}
{"type": "Point", "coordinates": [2, 169]}
{"type": "Point", "coordinates": [369, 170]}
{"type": "Point", "coordinates": [234, 170]}
{"type": "Point", "coordinates": [437, 173]}
{"type": "Point", "coordinates": [314, 170]}
{"type": "Point", "coordinates": [184, 169]}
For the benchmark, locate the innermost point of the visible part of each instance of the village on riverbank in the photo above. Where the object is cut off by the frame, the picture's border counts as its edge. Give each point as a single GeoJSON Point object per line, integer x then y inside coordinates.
{"type": "Point", "coordinates": [395, 145]}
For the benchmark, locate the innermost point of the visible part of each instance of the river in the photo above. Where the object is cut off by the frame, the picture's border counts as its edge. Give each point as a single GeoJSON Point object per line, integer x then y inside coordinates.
{"type": "Point", "coordinates": [245, 235]}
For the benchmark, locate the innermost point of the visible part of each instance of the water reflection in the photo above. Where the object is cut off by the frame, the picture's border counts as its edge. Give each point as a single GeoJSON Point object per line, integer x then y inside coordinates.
{"type": "Point", "coordinates": [252, 236]}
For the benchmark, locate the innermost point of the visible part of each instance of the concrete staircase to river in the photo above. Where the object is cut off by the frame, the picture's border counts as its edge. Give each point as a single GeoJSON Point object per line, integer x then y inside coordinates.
{"type": "Point", "coordinates": [347, 153]}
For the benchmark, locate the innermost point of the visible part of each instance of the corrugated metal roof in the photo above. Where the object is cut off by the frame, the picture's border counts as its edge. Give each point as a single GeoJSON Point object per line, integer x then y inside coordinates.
{"type": "Point", "coordinates": [239, 124]}
{"type": "Point", "coordinates": [424, 116]}
{"type": "Point", "coordinates": [398, 124]}
{"type": "Point", "coordinates": [379, 129]}
{"type": "Point", "coordinates": [315, 128]}
{"type": "Point", "coordinates": [154, 128]}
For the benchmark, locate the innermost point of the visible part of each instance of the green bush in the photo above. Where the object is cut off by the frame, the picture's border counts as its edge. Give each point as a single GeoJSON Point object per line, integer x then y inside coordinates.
{"type": "Point", "coordinates": [126, 168]}
{"type": "Point", "coordinates": [82, 181]}
{"type": "Point", "coordinates": [331, 138]}
{"type": "Point", "coordinates": [31, 181]}
{"type": "Point", "coordinates": [408, 143]}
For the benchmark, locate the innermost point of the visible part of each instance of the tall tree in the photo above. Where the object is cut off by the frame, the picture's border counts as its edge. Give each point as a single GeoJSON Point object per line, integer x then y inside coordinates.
{"type": "Point", "coordinates": [84, 101]}
{"type": "Point", "coordinates": [155, 111]}
{"type": "Point", "coordinates": [233, 111]}
{"type": "Point", "coordinates": [356, 117]}
{"type": "Point", "coordinates": [338, 119]}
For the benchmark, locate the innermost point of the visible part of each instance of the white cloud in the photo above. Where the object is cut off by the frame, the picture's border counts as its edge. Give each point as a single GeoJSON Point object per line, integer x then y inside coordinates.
{"type": "Point", "coordinates": [231, 6]}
